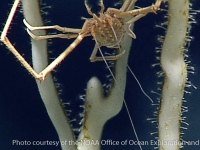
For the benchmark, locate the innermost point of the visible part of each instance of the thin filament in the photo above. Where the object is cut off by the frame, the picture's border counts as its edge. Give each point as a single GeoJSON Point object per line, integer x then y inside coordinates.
{"type": "Point", "coordinates": [128, 65]}
{"type": "Point", "coordinates": [120, 90]}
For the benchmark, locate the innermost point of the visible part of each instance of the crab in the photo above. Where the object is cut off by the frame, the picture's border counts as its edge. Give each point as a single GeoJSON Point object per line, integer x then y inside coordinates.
{"type": "Point", "coordinates": [107, 29]}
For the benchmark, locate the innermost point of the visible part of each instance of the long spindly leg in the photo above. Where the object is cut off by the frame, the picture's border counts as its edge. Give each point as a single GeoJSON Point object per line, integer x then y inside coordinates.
{"type": "Point", "coordinates": [71, 32]}
{"type": "Point", "coordinates": [64, 54]}
{"type": "Point", "coordinates": [6, 41]}
{"type": "Point", "coordinates": [94, 58]}
{"type": "Point", "coordinates": [20, 58]}
{"type": "Point", "coordinates": [9, 20]}
{"type": "Point", "coordinates": [153, 8]}
{"type": "Point", "coordinates": [41, 75]}
{"type": "Point", "coordinates": [44, 37]}
{"type": "Point", "coordinates": [131, 5]}
{"type": "Point", "coordinates": [56, 27]}
{"type": "Point", "coordinates": [127, 5]}
{"type": "Point", "coordinates": [130, 22]}
{"type": "Point", "coordinates": [61, 57]}
{"type": "Point", "coordinates": [134, 19]}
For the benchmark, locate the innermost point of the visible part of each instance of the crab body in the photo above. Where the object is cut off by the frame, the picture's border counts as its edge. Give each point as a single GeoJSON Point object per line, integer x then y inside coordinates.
{"type": "Point", "coordinates": [108, 30]}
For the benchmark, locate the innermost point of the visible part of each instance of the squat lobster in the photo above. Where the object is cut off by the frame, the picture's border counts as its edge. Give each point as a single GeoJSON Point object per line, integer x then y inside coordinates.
{"type": "Point", "coordinates": [107, 29]}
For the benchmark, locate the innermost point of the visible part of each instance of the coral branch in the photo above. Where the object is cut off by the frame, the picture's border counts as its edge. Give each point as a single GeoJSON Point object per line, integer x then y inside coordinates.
{"type": "Point", "coordinates": [175, 75]}
{"type": "Point", "coordinates": [47, 88]}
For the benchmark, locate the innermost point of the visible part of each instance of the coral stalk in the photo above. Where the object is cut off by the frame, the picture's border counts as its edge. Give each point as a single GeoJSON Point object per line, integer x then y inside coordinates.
{"type": "Point", "coordinates": [175, 75]}
{"type": "Point", "coordinates": [47, 88]}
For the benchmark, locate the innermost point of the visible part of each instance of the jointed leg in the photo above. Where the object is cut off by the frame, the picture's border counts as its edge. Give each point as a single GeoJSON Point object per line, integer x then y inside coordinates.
{"type": "Point", "coordinates": [41, 75]}
{"type": "Point", "coordinates": [56, 27]}
{"type": "Point", "coordinates": [130, 22]}
{"type": "Point", "coordinates": [62, 56]}
{"type": "Point", "coordinates": [153, 8]}
{"type": "Point", "coordinates": [94, 58]}
{"type": "Point", "coordinates": [127, 5]}
{"type": "Point", "coordinates": [71, 32]}
{"type": "Point", "coordinates": [20, 58]}
{"type": "Point", "coordinates": [134, 19]}
{"type": "Point", "coordinates": [131, 5]}
{"type": "Point", "coordinates": [6, 41]}
{"type": "Point", "coordinates": [44, 37]}
{"type": "Point", "coordinates": [9, 20]}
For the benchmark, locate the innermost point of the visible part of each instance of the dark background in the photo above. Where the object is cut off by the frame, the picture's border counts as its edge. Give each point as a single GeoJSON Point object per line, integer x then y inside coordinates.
{"type": "Point", "coordinates": [22, 113]}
